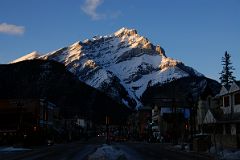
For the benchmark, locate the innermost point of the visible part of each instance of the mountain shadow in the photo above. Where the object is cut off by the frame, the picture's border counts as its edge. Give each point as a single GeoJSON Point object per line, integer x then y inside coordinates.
{"type": "Point", "coordinates": [51, 80]}
{"type": "Point", "coordinates": [184, 90]}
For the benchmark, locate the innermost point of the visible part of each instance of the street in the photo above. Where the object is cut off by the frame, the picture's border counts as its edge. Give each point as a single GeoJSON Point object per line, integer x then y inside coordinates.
{"type": "Point", "coordinates": [92, 150]}
{"type": "Point", "coordinates": [160, 152]}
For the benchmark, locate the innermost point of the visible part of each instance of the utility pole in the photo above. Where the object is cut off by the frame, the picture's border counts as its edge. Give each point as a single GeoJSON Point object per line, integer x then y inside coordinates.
{"type": "Point", "coordinates": [20, 107]}
{"type": "Point", "coordinates": [107, 129]}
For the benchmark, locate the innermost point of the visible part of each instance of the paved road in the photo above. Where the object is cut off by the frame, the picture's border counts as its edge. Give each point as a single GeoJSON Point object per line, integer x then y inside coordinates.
{"type": "Point", "coordinates": [161, 152]}
{"type": "Point", "coordinates": [81, 151]}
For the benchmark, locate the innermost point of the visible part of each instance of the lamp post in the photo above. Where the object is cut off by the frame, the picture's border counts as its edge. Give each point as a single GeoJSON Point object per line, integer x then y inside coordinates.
{"type": "Point", "coordinates": [192, 102]}
{"type": "Point", "coordinates": [20, 109]}
{"type": "Point", "coordinates": [20, 127]}
{"type": "Point", "coordinates": [107, 129]}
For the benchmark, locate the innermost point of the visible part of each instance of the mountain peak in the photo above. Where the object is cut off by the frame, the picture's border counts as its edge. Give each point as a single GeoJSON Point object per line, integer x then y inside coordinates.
{"type": "Point", "coordinates": [125, 31]}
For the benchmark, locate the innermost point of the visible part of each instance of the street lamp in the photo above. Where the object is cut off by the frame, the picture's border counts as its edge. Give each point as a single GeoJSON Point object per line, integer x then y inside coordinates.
{"type": "Point", "coordinates": [20, 109]}
{"type": "Point", "coordinates": [107, 129]}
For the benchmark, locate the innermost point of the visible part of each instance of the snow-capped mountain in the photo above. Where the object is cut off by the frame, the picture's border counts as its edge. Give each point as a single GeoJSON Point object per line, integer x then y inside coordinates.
{"type": "Point", "coordinates": [30, 56]}
{"type": "Point", "coordinates": [122, 64]}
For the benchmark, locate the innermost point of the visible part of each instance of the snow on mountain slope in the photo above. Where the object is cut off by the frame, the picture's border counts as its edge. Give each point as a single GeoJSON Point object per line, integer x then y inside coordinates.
{"type": "Point", "coordinates": [122, 64]}
{"type": "Point", "coordinates": [32, 55]}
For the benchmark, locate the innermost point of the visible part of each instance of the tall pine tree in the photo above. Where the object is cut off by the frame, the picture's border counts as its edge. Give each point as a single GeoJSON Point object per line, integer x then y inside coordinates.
{"type": "Point", "coordinates": [227, 77]}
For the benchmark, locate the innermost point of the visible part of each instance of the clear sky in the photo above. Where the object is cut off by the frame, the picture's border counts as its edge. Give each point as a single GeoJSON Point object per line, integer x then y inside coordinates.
{"type": "Point", "coordinates": [197, 32]}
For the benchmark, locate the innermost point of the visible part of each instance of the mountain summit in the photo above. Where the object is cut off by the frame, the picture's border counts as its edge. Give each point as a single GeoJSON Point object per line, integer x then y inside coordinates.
{"type": "Point", "coordinates": [123, 64]}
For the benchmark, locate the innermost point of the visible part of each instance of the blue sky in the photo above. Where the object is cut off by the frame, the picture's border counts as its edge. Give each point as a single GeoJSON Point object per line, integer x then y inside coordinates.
{"type": "Point", "coordinates": [197, 32]}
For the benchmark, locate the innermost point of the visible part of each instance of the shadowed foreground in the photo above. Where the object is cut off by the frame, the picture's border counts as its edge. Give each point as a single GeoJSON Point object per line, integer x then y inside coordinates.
{"type": "Point", "coordinates": [92, 150]}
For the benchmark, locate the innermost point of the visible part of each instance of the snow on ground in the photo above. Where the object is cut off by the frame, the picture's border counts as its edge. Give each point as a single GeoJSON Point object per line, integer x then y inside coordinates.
{"type": "Point", "coordinates": [107, 152]}
{"type": "Point", "coordinates": [230, 155]}
{"type": "Point", "coordinates": [114, 152]}
{"type": "Point", "coordinates": [129, 153]}
{"type": "Point", "coordinates": [224, 153]}
{"type": "Point", "coordinates": [13, 149]}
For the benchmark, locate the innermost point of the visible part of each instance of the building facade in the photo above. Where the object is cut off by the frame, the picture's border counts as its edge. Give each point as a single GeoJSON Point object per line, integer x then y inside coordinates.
{"type": "Point", "coordinates": [22, 119]}
{"type": "Point", "coordinates": [223, 122]}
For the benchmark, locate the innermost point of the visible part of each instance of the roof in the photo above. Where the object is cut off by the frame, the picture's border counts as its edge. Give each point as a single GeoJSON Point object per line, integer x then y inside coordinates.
{"type": "Point", "coordinates": [224, 90]}
{"type": "Point", "coordinates": [212, 116]}
{"type": "Point", "coordinates": [238, 83]}
{"type": "Point", "coordinates": [227, 87]}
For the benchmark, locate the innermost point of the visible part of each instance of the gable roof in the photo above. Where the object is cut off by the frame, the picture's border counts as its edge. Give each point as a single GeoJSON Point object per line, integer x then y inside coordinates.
{"type": "Point", "coordinates": [213, 115]}
{"type": "Point", "coordinates": [238, 83]}
{"type": "Point", "coordinates": [224, 90]}
{"type": "Point", "coordinates": [234, 87]}
{"type": "Point", "coordinates": [209, 118]}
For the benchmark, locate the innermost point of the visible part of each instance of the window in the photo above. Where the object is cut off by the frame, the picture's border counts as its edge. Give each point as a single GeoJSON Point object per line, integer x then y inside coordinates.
{"type": "Point", "coordinates": [226, 101]}
{"type": "Point", "coordinates": [237, 98]}
{"type": "Point", "coordinates": [228, 129]}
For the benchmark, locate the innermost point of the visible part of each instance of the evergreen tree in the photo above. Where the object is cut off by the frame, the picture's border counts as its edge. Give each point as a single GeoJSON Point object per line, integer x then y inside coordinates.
{"type": "Point", "coordinates": [227, 77]}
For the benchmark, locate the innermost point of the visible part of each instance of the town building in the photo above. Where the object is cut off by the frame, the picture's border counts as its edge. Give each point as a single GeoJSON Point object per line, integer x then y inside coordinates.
{"type": "Point", "coordinates": [170, 120]}
{"type": "Point", "coordinates": [178, 110]}
{"type": "Point", "coordinates": [26, 119]}
{"type": "Point", "coordinates": [223, 121]}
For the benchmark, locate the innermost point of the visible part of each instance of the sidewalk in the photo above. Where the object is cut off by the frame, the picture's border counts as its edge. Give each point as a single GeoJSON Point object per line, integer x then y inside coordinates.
{"type": "Point", "coordinates": [178, 148]}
